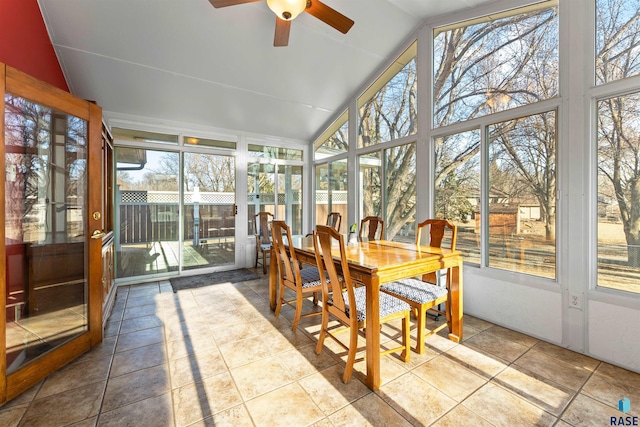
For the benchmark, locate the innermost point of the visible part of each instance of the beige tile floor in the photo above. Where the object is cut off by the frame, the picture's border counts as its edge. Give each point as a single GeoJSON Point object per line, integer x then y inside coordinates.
{"type": "Point", "coordinates": [218, 356]}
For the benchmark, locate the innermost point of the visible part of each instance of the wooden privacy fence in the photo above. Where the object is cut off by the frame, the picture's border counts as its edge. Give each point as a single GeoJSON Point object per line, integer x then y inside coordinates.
{"type": "Point", "coordinates": [152, 216]}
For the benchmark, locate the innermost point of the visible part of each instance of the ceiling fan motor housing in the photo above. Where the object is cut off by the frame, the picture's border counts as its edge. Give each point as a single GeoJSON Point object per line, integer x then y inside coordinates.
{"type": "Point", "coordinates": [287, 9]}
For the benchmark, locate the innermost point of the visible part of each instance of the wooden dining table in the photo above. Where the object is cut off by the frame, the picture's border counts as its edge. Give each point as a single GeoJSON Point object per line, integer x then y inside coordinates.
{"type": "Point", "coordinates": [374, 263]}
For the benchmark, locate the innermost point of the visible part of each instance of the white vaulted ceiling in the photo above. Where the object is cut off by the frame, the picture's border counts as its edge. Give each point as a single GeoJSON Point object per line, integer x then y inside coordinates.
{"type": "Point", "coordinates": [185, 61]}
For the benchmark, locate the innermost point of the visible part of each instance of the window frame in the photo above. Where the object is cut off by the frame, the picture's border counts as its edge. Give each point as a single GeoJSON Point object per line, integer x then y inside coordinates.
{"type": "Point", "coordinates": [481, 124]}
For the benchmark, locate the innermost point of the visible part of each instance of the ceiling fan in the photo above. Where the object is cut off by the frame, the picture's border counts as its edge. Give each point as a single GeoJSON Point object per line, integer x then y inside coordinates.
{"type": "Point", "coordinates": [287, 10]}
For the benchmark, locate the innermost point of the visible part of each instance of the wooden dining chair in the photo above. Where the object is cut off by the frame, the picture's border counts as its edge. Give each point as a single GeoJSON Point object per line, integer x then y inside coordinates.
{"type": "Point", "coordinates": [374, 226]}
{"type": "Point", "coordinates": [261, 222]}
{"type": "Point", "coordinates": [334, 219]}
{"type": "Point", "coordinates": [303, 281]}
{"type": "Point", "coordinates": [347, 304]}
{"type": "Point", "coordinates": [440, 232]}
{"type": "Point", "coordinates": [426, 294]}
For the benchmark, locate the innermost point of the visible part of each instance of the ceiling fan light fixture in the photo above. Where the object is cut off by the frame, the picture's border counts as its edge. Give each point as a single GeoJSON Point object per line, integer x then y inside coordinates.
{"type": "Point", "coordinates": [287, 9]}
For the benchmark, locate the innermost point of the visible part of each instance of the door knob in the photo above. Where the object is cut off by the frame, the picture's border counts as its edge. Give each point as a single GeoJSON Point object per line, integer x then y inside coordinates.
{"type": "Point", "coordinates": [97, 234]}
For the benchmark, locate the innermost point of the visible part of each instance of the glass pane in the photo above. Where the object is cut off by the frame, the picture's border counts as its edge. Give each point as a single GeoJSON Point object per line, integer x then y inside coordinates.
{"type": "Point", "coordinates": [619, 193]}
{"type": "Point", "coordinates": [391, 112]}
{"type": "Point", "coordinates": [147, 209]}
{"type": "Point", "coordinates": [142, 136]}
{"type": "Point", "coordinates": [370, 184]}
{"type": "Point", "coordinates": [209, 197]}
{"type": "Point", "coordinates": [337, 142]}
{"type": "Point", "coordinates": [290, 196]}
{"type": "Point", "coordinates": [266, 152]}
{"type": "Point", "coordinates": [495, 65]}
{"type": "Point", "coordinates": [202, 142]}
{"type": "Point", "coordinates": [322, 193]}
{"type": "Point", "coordinates": [457, 183]}
{"type": "Point", "coordinates": [617, 41]}
{"type": "Point", "coordinates": [522, 195]}
{"type": "Point", "coordinates": [332, 192]}
{"type": "Point", "coordinates": [261, 191]}
{"type": "Point", "coordinates": [46, 225]}
{"type": "Point", "coordinates": [400, 193]}
{"type": "Point", "coordinates": [338, 192]}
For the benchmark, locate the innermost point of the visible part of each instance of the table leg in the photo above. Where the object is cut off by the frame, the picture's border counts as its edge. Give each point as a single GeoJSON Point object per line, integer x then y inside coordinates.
{"type": "Point", "coordinates": [455, 303]}
{"type": "Point", "coordinates": [273, 279]}
{"type": "Point", "coordinates": [372, 334]}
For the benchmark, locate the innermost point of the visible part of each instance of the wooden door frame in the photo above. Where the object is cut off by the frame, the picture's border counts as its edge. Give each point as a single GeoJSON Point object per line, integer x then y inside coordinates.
{"type": "Point", "coordinates": [20, 84]}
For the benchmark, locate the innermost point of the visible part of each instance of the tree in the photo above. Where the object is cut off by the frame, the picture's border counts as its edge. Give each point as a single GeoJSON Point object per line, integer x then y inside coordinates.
{"type": "Point", "coordinates": [338, 142]}
{"type": "Point", "coordinates": [451, 202]}
{"type": "Point", "coordinates": [400, 189]}
{"type": "Point", "coordinates": [209, 172]}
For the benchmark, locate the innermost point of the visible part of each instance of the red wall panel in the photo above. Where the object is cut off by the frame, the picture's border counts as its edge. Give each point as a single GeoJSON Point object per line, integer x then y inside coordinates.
{"type": "Point", "coordinates": [25, 43]}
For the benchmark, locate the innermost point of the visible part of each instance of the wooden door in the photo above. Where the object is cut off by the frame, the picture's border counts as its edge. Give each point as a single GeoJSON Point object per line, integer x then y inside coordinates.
{"type": "Point", "coordinates": [52, 209]}
{"type": "Point", "coordinates": [108, 250]}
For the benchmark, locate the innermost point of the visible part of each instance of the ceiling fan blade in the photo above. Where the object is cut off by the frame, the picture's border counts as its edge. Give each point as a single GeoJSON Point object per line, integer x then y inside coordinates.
{"type": "Point", "coordinates": [329, 16]}
{"type": "Point", "coordinates": [281, 37]}
{"type": "Point", "coordinates": [225, 3]}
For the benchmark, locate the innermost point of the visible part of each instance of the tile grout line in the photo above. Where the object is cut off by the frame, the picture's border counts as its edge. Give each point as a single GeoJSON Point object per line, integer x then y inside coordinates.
{"type": "Point", "coordinates": [115, 345]}
{"type": "Point", "coordinates": [577, 393]}
{"type": "Point", "coordinates": [470, 394]}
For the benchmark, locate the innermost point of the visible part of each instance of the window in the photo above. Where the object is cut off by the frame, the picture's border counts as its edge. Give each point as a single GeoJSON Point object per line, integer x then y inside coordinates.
{"type": "Point", "coordinates": [214, 143]}
{"type": "Point", "coordinates": [142, 136]}
{"type": "Point", "coordinates": [332, 191]}
{"type": "Point", "coordinates": [522, 194]}
{"type": "Point", "coordinates": [617, 57]}
{"type": "Point", "coordinates": [370, 180]}
{"type": "Point", "coordinates": [274, 184]}
{"type": "Point", "coordinates": [261, 189]}
{"type": "Point", "coordinates": [265, 152]}
{"type": "Point", "coordinates": [387, 186]}
{"type": "Point", "coordinates": [457, 183]}
{"type": "Point", "coordinates": [495, 63]}
{"type": "Point", "coordinates": [290, 196]}
{"type": "Point", "coordinates": [335, 140]}
{"type": "Point", "coordinates": [388, 110]}
{"type": "Point", "coordinates": [491, 65]}
{"type": "Point", "coordinates": [619, 192]}
{"type": "Point", "coordinates": [617, 42]}
{"type": "Point", "coordinates": [400, 192]}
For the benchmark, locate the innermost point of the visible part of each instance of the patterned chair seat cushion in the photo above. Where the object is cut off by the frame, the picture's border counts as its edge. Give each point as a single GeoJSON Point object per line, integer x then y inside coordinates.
{"type": "Point", "coordinates": [388, 304]}
{"type": "Point", "coordinates": [265, 246]}
{"type": "Point", "coordinates": [415, 290]}
{"type": "Point", "coordinates": [311, 277]}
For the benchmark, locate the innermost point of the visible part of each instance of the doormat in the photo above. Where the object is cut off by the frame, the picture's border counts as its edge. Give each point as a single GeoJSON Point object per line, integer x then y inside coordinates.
{"type": "Point", "coordinates": [231, 276]}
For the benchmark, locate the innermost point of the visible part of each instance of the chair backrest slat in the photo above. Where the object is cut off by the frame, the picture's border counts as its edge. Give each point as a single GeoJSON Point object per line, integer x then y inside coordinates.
{"type": "Point", "coordinates": [334, 219]}
{"type": "Point", "coordinates": [437, 228]}
{"type": "Point", "coordinates": [288, 264]}
{"type": "Point", "coordinates": [374, 226]}
{"type": "Point", "coordinates": [262, 219]}
{"type": "Point", "coordinates": [324, 243]}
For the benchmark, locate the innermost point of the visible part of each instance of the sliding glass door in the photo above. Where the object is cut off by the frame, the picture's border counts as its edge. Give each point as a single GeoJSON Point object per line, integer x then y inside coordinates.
{"type": "Point", "coordinates": [209, 200]}
{"type": "Point", "coordinates": [162, 230]}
